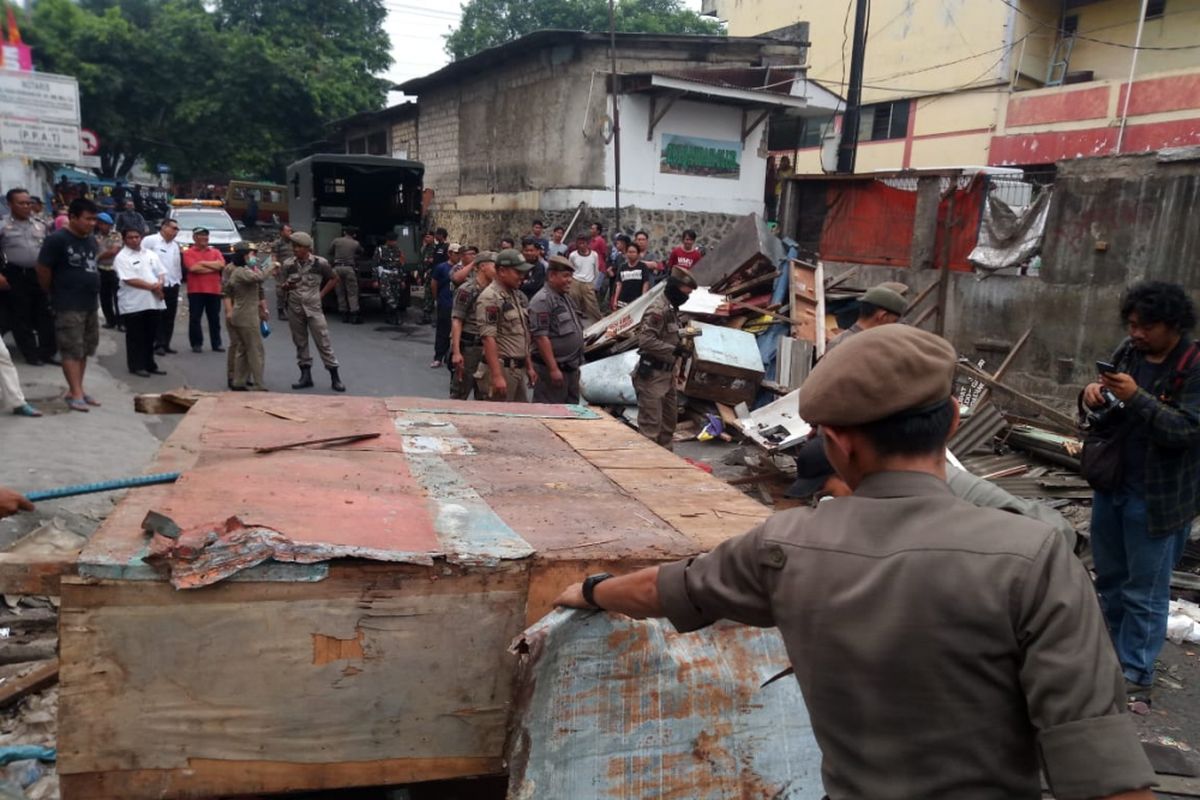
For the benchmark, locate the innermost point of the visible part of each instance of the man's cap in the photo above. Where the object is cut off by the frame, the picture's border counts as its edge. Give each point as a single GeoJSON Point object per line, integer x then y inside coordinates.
{"type": "Point", "coordinates": [104, 217]}
{"type": "Point", "coordinates": [683, 277]}
{"type": "Point", "coordinates": [560, 264]}
{"type": "Point", "coordinates": [897, 287]}
{"type": "Point", "coordinates": [487, 256]}
{"type": "Point", "coordinates": [885, 298]}
{"type": "Point", "coordinates": [513, 258]}
{"type": "Point", "coordinates": [301, 238]}
{"type": "Point", "coordinates": [242, 247]}
{"type": "Point", "coordinates": [812, 469]}
{"type": "Point", "coordinates": [201, 231]}
{"type": "Point", "coordinates": [876, 374]}
{"type": "Point", "coordinates": [454, 247]}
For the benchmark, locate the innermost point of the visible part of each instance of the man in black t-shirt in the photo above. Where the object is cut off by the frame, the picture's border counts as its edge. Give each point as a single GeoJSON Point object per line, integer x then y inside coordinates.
{"type": "Point", "coordinates": [67, 271]}
{"type": "Point", "coordinates": [632, 277]}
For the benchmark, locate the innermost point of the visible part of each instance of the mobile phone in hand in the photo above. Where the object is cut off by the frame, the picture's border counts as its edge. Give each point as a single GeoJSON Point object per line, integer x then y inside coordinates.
{"type": "Point", "coordinates": [1105, 368]}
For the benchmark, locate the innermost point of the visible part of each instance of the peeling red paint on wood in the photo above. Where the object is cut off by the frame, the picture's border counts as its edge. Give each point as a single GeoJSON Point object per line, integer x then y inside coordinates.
{"type": "Point", "coordinates": [327, 649]}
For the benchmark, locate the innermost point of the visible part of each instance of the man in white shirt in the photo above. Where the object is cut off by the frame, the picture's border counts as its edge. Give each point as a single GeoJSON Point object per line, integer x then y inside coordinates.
{"type": "Point", "coordinates": [583, 289]}
{"type": "Point", "coordinates": [166, 249]}
{"type": "Point", "coordinates": [140, 298]}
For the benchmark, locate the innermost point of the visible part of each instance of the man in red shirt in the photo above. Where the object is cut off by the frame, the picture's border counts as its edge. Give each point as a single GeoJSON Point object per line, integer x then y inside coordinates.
{"type": "Point", "coordinates": [204, 265]}
{"type": "Point", "coordinates": [687, 256]}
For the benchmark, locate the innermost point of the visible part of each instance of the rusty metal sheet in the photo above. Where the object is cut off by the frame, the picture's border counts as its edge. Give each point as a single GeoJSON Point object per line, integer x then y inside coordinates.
{"type": "Point", "coordinates": [611, 707]}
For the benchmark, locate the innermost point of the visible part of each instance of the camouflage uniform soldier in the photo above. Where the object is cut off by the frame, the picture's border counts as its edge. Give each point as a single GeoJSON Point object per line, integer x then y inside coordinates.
{"type": "Point", "coordinates": [303, 274]}
{"type": "Point", "coordinates": [281, 251]}
{"type": "Point", "coordinates": [393, 279]}
{"type": "Point", "coordinates": [660, 345]}
{"type": "Point", "coordinates": [466, 348]}
{"type": "Point", "coordinates": [501, 312]}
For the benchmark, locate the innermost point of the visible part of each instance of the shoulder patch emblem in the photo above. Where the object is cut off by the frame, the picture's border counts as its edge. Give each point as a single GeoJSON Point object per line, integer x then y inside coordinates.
{"type": "Point", "coordinates": [492, 314]}
{"type": "Point", "coordinates": [543, 319]}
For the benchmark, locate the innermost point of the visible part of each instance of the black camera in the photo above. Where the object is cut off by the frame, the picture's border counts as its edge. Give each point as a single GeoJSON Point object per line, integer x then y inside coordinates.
{"type": "Point", "coordinates": [1099, 417]}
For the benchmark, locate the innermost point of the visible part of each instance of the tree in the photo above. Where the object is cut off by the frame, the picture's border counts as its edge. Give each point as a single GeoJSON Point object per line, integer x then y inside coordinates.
{"type": "Point", "coordinates": [224, 87]}
{"type": "Point", "coordinates": [487, 23]}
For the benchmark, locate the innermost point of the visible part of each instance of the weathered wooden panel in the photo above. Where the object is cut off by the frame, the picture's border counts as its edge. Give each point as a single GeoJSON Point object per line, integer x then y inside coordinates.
{"type": "Point", "coordinates": [256, 671]}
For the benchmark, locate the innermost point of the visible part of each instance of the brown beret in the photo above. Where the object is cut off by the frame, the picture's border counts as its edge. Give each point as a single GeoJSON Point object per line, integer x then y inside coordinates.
{"type": "Point", "coordinates": [877, 373]}
{"type": "Point", "coordinates": [560, 263]}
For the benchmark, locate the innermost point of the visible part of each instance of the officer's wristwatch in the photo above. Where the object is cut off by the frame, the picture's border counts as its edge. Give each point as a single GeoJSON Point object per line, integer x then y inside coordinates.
{"type": "Point", "coordinates": [589, 587]}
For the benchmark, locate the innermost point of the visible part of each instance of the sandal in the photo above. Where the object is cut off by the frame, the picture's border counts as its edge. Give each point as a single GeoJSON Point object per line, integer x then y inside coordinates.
{"type": "Point", "coordinates": [77, 404]}
{"type": "Point", "coordinates": [91, 401]}
{"type": "Point", "coordinates": [26, 410]}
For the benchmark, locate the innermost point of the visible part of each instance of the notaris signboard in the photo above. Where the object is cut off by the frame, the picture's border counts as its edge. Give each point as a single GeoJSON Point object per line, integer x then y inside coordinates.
{"type": "Point", "coordinates": [39, 116]}
{"type": "Point", "coordinates": [706, 158]}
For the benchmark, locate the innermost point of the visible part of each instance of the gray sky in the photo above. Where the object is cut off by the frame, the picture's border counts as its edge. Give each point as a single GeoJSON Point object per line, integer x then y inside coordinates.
{"type": "Point", "coordinates": [416, 28]}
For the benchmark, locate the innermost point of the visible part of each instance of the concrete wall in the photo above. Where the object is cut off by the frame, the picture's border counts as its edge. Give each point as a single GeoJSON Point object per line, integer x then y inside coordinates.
{"type": "Point", "coordinates": [642, 182]}
{"type": "Point", "coordinates": [1116, 21]}
{"type": "Point", "coordinates": [665, 227]}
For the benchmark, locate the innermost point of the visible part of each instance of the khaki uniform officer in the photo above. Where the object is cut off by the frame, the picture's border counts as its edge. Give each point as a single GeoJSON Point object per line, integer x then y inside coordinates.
{"type": "Point", "coordinates": [880, 305]}
{"type": "Point", "coordinates": [466, 348]}
{"type": "Point", "coordinates": [345, 250]}
{"type": "Point", "coordinates": [659, 346]}
{"type": "Point", "coordinates": [557, 331]}
{"type": "Point", "coordinates": [944, 651]}
{"type": "Point", "coordinates": [501, 312]}
{"type": "Point", "coordinates": [243, 288]}
{"type": "Point", "coordinates": [302, 275]}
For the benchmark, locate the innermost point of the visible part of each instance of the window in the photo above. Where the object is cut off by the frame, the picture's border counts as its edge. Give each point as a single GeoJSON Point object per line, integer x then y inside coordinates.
{"type": "Point", "coordinates": [377, 143]}
{"type": "Point", "coordinates": [789, 133]}
{"type": "Point", "coordinates": [1156, 9]}
{"type": "Point", "coordinates": [357, 146]}
{"type": "Point", "coordinates": [883, 121]}
{"type": "Point", "coordinates": [335, 186]}
{"type": "Point", "coordinates": [1070, 25]}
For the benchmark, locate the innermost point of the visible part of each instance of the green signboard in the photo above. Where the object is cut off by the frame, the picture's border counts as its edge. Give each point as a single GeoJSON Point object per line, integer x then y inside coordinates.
{"type": "Point", "coordinates": [705, 158]}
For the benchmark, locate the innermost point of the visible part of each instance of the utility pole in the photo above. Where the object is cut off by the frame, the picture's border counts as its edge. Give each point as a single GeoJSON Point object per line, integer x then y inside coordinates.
{"type": "Point", "coordinates": [616, 114]}
{"type": "Point", "coordinates": [848, 147]}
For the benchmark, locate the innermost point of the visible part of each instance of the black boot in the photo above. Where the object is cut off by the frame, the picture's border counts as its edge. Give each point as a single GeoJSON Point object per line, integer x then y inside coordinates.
{"type": "Point", "coordinates": [281, 314]}
{"type": "Point", "coordinates": [346, 317]}
{"type": "Point", "coordinates": [338, 386]}
{"type": "Point", "coordinates": [356, 318]}
{"type": "Point", "coordinates": [305, 381]}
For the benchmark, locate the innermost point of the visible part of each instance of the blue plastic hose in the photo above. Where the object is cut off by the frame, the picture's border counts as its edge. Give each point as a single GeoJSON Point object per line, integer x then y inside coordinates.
{"type": "Point", "coordinates": [103, 486]}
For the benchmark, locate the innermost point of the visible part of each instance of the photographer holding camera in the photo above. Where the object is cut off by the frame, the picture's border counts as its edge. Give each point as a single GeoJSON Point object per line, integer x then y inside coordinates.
{"type": "Point", "coordinates": [1142, 456]}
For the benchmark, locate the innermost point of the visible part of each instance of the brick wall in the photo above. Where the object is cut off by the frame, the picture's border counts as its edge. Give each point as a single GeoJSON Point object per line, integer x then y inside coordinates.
{"type": "Point", "coordinates": [439, 142]}
{"type": "Point", "coordinates": [404, 139]}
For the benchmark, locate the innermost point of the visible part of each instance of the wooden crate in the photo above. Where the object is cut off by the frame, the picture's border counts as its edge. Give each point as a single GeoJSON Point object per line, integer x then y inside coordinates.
{"type": "Point", "coordinates": [386, 668]}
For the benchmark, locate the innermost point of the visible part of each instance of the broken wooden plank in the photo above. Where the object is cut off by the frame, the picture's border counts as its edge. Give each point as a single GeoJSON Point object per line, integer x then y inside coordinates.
{"type": "Point", "coordinates": [43, 675]}
{"type": "Point", "coordinates": [35, 651]}
{"type": "Point", "coordinates": [1059, 419]}
{"type": "Point", "coordinates": [177, 401]}
{"type": "Point", "coordinates": [986, 394]}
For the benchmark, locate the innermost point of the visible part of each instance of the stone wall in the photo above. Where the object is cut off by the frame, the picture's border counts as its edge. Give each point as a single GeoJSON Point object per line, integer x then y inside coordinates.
{"type": "Point", "coordinates": [665, 228]}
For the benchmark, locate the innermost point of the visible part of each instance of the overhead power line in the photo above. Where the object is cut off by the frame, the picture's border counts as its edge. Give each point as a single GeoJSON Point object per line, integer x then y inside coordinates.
{"type": "Point", "coordinates": [1086, 38]}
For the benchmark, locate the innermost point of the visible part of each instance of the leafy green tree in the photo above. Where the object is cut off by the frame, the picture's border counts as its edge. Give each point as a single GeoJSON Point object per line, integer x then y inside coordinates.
{"type": "Point", "coordinates": [487, 23]}
{"type": "Point", "coordinates": [227, 87]}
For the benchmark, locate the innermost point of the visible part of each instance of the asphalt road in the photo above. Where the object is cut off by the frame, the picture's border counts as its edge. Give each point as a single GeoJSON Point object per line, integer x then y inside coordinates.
{"type": "Point", "coordinates": [376, 359]}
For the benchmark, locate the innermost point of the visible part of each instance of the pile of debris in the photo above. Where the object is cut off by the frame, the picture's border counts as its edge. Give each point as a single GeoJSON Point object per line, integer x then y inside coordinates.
{"type": "Point", "coordinates": [755, 316]}
{"type": "Point", "coordinates": [28, 697]}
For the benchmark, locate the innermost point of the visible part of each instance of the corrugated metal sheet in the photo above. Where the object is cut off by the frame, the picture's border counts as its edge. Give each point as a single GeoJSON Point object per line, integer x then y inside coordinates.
{"type": "Point", "coordinates": [977, 430]}
{"type": "Point", "coordinates": [620, 708]}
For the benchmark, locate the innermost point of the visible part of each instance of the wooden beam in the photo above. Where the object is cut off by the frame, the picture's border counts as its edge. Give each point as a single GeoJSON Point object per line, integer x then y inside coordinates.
{"type": "Point", "coordinates": [42, 676]}
{"type": "Point", "coordinates": [761, 310]}
{"type": "Point", "coordinates": [929, 312]}
{"type": "Point", "coordinates": [746, 131]}
{"type": "Point", "coordinates": [1057, 417]}
{"type": "Point", "coordinates": [986, 394]}
{"type": "Point", "coordinates": [920, 298]}
{"type": "Point", "coordinates": [177, 401]}
{"type": "Point", "coordinates": [656, 116]}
